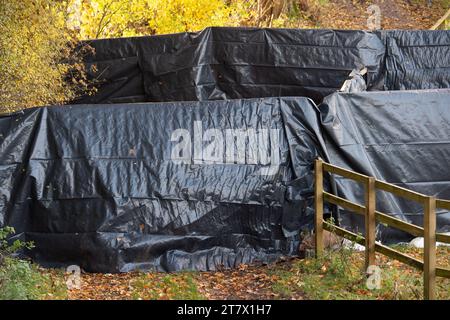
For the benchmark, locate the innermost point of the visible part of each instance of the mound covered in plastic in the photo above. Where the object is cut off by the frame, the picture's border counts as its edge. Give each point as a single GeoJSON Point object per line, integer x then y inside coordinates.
{"type": "Point", "coordinates": [236, 63]}
{"type": "Point", "coordinates": [187, 185]}
{"type": "Point", "coordinates": [225, 176]}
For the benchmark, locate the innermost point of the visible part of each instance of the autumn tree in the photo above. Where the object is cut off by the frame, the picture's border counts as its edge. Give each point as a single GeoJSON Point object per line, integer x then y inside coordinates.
{"type": "Point", "coordinates": [116, 18]}
{"type": "Point", "coordinates": [37, 60]}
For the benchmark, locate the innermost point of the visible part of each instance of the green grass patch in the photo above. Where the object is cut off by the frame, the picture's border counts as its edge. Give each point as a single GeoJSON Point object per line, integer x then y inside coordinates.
{"type": "Point", "coordinates": [339, 275]}
{"type": "Point", "coordinates": [22, 280]}
{"type": "Point", "coordinates": [173, 286]}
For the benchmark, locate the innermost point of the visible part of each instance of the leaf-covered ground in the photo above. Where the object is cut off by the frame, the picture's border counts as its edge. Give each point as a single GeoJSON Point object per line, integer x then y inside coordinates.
{"type": "Point", "coordinates": [395, 14]}
{"type": "Point", "coordinates": [337, 276]}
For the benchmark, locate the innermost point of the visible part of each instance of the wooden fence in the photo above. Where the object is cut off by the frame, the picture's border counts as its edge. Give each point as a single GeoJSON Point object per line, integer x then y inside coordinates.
{"type": "Point", "coordinates": [443, 23]}
{"type": "Point", "coordinates": [371, 215]}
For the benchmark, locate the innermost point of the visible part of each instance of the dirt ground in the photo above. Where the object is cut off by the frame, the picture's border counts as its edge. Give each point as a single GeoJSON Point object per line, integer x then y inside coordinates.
{"type": "Point", "coordinates": [410, 14]}
{"type": "Point", "coordinates": [338, 276]}
{"type": "Point", "coordinates": [245, 282]}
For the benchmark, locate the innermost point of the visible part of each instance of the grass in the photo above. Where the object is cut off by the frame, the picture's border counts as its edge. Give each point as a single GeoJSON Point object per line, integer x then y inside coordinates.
{"type": "Point", "coordinates": [339, 275]}
{"type": "Point", "coordinates": [336, 275]}
{"type": "Point", "coordinates": [22, 280]}
{"type": "Point", "coordinates": [175, 286]}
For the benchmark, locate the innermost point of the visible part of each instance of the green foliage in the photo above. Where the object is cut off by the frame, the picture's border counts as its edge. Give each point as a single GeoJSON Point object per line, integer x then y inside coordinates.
{"type": "Point", "coordinates": [339, 274]}
{"type": "Point", "coordinates": [8, 249]}
{"type": "Point", "coordinates": [19, 279]}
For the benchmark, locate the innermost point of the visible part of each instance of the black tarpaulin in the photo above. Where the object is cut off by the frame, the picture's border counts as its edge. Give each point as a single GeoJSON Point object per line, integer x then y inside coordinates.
{"type": "Point", "coordinates": [417, 59]}
{"type": "Point", "coordinates": [115, 186]}
{"type": "Point", "coordinates": [402, 137]}
{"type": "Point", "coordinates": [167, 186]}
{"type": "Point", "coordinates": [114, 69]}
{"type": "Point", "coordinates": [230, 63]}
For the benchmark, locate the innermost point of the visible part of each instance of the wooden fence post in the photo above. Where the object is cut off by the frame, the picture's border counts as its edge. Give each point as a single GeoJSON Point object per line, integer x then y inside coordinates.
{"type": "Point", "coordinates": [370, 222]}
{"type": "Point", "coordinates": [318, 206]}
{"type": "Point", "coordinates": [429, 253]}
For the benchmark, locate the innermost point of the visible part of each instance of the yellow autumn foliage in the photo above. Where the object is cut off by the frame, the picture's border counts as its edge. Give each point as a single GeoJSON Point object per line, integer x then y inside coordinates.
{"type": "Point", "coordinates": [117, 18]}
{"type": "Point", "coordinates": [170, 16]}
{"type": "Point", "coordinates": [34, 44]}
{"type": "Point", "coordinates": [39, 66]}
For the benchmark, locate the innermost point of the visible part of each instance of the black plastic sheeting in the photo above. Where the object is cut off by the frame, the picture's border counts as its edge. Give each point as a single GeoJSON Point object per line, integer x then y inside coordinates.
{"type": "Point", "coordinates": [233, 63]}
{"type": "Point", "coordinates": [115, 188]}
{"type": "Point", "coordinates": [417, 60]}
{"type": "Point", "coordinates": [120, 187]}
{"type": "Point", "coordinates": [402, 137]}
{"type": "Point", "coordinates": [114, 68]}
{"type": "Point", "coordinates": [222, 179]}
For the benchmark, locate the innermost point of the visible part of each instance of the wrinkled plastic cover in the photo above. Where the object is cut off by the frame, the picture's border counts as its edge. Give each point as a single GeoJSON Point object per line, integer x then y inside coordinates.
{"type": "Point", "coordinates": [233, 63]}
{"type": "Point", "coordinates": [401, 137]}
{"type": "Point", "coordinates": [416, 59]}
{"type": "Point", "coordinates": [120, 186]}
{"type": "Point", "coordinates": [166, 186]}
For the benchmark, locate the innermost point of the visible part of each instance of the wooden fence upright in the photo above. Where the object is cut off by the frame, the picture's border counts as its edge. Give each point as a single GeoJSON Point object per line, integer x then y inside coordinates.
{"type": "Point", "coordinates": [371, 215]}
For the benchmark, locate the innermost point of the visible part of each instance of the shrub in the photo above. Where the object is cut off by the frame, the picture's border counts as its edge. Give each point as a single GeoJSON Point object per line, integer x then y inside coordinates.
{"type": "Point", "coordinates": [19, 279]}
{"type": "Point", "coordinates": [38, 63]}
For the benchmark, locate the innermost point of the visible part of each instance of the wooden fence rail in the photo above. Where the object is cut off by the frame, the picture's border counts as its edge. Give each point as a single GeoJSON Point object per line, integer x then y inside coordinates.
{"type": "Point", "coordinates": [443, 23]}
{"type": "Point", "coordinates": [371, 216]}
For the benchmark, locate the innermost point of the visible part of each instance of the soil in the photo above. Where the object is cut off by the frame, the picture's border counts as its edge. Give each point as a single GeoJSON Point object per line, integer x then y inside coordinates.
{"type": "Point", "coordinates": [412, 14]}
